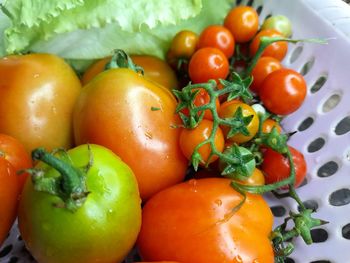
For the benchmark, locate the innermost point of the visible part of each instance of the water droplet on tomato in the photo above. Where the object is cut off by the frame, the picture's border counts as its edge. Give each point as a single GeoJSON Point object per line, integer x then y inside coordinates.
{"type": "Point", "coordinates": [218, 202]}
{"type": "Point", "coordinates": [36, 76]}
{"type": "Point", "coordinates": [238, 259]}
{"type": "Point", "coordinates": [193, 184]}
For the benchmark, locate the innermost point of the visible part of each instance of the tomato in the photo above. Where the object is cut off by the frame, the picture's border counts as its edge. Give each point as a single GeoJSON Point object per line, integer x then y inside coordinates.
{"type": "Point", "coordinates": [283, 91]}
{"type": "Point", "coordinates": [276, 166]}
{"type": "Point", "coordinates": [218, 37]}
{"type": "Point", "coordinates": [203, 98]}
{"type": "Point", "coordinates": [278, 50]}
{"type": "Point", "coordinates": [9, 193]}
{"type": "Point", "coordinates": [269, 124]}
{"type": "Point", "coordinates": [190, 138]}
{"type": "Point", "coordinates": [183, 44]}
{"type": "Point", "coordinates": [154, 68]}
{"type": "Point", "coordinates": [15, 153]}
{"type": "Point", "coordinates": [38, 93]}
{"type": "Point", "coordinates": [228, 110]}
{"type": "Point", "coordinates": [55, 232]}
{"type": "Point", "coordinates": [193, 222]}
{"type": "Point", "coordinates": [262, 69]}
{"type": "Point", "coordinates": [279, 23]}
{"type": "Point", "coordinates": [133, 117]}
{"type": "Point", "coordinates": [243, 22]}
{"type": "Point", "coordinates": [257, 178]}
{"type": "Point", "coordinates": [158, 262]}
{"type": "Point", "coordinates": [208, 63]}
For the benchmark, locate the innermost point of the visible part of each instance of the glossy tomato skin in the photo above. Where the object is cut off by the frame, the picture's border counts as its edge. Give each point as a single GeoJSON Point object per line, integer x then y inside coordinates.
{"type": "Point", "coordinates": [283, 91]}
{"type": "Point", "coordinates": [193, 222]}
{"type": "Point", "coordinates": [14, 152]}
{"type": "Point", "coordinates": [269, 124]}
{"type": "Point", "coordinates": [218, 37]}
{"type": "Point", "coordinates": [9, 193]}
{"type": "Point", "coordinates": [41, 90]}
{"type": "Point", "coordinates": [183, 44]}
{"type": "Point", "coordinates": [154, 68]}
{"type": "Point", "coordinates": [278, 50]}
{"type": "Point", "coordinates": [190, 138]}
{"type": "Point", "coordinates": [243, 22]}
{"type": "Point", "coordinates": [208, 63]}
{"type": "Point", "coordinates": [135, 118]}
{"type": "Point", "coordinates": [276, 166]}
{"type": "Point", "coordinates": [262, 69]}
{"type": "Point", "coordinates": [93, 233]}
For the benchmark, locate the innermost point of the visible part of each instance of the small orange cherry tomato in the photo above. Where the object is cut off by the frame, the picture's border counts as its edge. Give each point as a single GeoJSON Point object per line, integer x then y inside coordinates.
{"type": "Point", "coordinates": [268, 125]}
{"type": "Point", "coordinates": [184, 44]}
{"type": "Point", "coordinates": [257, 178]}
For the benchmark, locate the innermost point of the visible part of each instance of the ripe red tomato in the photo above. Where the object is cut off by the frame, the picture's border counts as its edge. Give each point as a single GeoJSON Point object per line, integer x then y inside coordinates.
{"type": "Point", "coordinates": [15, 153]}
{"type": "Point", "coordinates": [135, 118]}
{"type": "Point", "coordinates": [277, 50]}
{"type": "Point", "coordinates": [194, 222]}
{"type": "Point", "coordinates": [190, 138]}
{"type": "Point", "coordinates": [283, 91]}
{"type": "Point", "coordinates": [263, 67]}
{"type": "Point", "coordinates": [243, 22]}
{"type": "Point", "coordinates": [208, 63]}
{"type": "Point", "coordinates": [218, 37]}
{"type": "Point", "coordinates": [276, 166]}
{"type": "Point", "coordinates": [9, 194]}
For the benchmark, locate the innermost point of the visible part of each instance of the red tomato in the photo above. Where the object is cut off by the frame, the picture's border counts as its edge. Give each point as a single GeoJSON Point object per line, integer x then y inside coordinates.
{"type": "Point", "coordinates": [276, 166]}
{"type": "Point", "coordinates": [283, 91]}
{"type": "Point", "coordinates": [193, 222]}
{"type": "Point", "coordinates": [218, 37]}
{"type": "Point", "coordinates": [269, 124]}
{"type": "Point", "coordinates": [203, 98]}
{"type": "Point", "coordinates": [243, 22]}
{"type": "Point", "coordinates": [263, 67]}
{"type": "Point", "coordinates": [208, 63]}
{"type": "Point", "coordinates": [190, 138]}
{"type": "Point", "coordinates": [9, 194]}
{"type": "Point", "coordinates": [121, 110]}
{"type": "Point", "coordinates": [15, 153]}
{"type": "Point", "coordinates": [277, 50]}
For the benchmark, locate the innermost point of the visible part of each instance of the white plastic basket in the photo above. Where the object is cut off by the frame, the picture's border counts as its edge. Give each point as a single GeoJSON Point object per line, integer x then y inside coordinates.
{"type": "Point", "coordinates": [323, 125]}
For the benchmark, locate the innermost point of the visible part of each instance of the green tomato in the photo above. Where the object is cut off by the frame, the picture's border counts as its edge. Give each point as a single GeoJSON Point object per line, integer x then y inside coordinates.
{"type": "Point", "coordinates": [279, 23]}
{"type": "Point", "coordinates": [94, 216]}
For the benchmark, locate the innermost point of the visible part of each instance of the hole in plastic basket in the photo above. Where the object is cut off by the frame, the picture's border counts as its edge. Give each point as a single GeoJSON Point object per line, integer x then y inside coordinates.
{"type": "Point", "coordinates": [250, 3]}
{"type": "Point", "coordinates": [278, 211]}
{"type": "Point", "coordinates": [310, 204]}
{"type": "Point", "coordinates": [303, 182]}
{"type": "Point", "coordinates": [259, 9]}
{"type": "Point", "coordinates": [268, 16]}
{"type": "Point", "coordinates": [306, 124]}
{"type": "Point", "coordinates": [13, 260]}
{"type": "Point", "coordinates": [319, 83]}
{"type": "Point", "coordinates": [5, 251]}
{"type": "Point", "coordinates": [321, 261]}
{"type": "Point", "coordinates": [340, 197]}
{"type": "Point", "coordinates": [328, 169]}
{"type": "Point", "coordinates": [307, 66]}
{"type": "Point", "coordinates": [345, 231]}
{"type": "Point", "coordinates": [238, 2]}
{"type": "Point", "coordinates": [319, 235]}
{"type": "Point", "coordinates": [343, 126]}
{"type": "Point", "coordinates": [316, 145]}
{"type": "Point", "coordinates": [296, 54]}
{"type": "Point", "coordinates": [289, 260]}
{"type": "Point", "coordinates": [331, 102]}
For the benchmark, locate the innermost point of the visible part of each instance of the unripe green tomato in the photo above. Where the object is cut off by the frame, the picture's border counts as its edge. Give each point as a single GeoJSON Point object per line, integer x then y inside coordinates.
{"type": "Point", "coordinates": [279, 23]}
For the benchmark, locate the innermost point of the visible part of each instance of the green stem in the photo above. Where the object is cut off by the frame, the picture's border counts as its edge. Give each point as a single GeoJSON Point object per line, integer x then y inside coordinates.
{"type": "Point", "coordinates": [121, 60]}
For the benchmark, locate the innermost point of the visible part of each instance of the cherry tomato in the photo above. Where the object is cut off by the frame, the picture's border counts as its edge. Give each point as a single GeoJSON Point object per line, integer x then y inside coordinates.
{"type": "Point", "coordinates": [228, 109]}
{"type": "Point", "coordinates": [193, 222]}
{"type": "Point", "coordinates": [133, 117]}
{"type": "Point", "coordinates": [154, 68]}
{"type": "Point", "coordinates": [276, 167]}
{"type": "Point", "coordinates": [58, 228]}
{"type": "Point", "coordinates": [38, 93]}
{"type": "Point", "coordinates": [159, 262]}
{"type": "Point", "coordinates": [278, 50]}
{"type": "Point", "coordinates": [203, 98]}
{"type": "Point", "coordinates": [190, 138]}
{"type": "Point", "coordinates": [15, 153]}
{"type": "Point", "coordinates": [257, 178]}
{"type": "Point", "coordinates": [263, 67]}
{"type": "Point", "coordinates": [283, 91]}
{"type": "Point", "coordinates": [280, 23]}
{"type": "Point", "coordinates": [269, 124]}
{"type": "Point", "coordinates": [183, 44]}
{"type": "Point", "coordinates": [218, 37]}
{"type": "Point", "coordinates": [243, 22]}
{"type": "Point", "coordinates": [9, 193]}
{"type": "Point", "coordinates": [208, 63]}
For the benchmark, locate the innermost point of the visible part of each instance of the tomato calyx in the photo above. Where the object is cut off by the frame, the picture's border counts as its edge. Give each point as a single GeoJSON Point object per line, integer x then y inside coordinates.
{"type": "Point", "coordinates": [69, 186]}
{"type": "Point", "coordinates": [120, 59]}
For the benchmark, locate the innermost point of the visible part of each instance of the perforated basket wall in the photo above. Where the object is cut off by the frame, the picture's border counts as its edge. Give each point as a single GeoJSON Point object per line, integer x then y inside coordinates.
{"type": "Point", "coordinates": [323, 125]}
